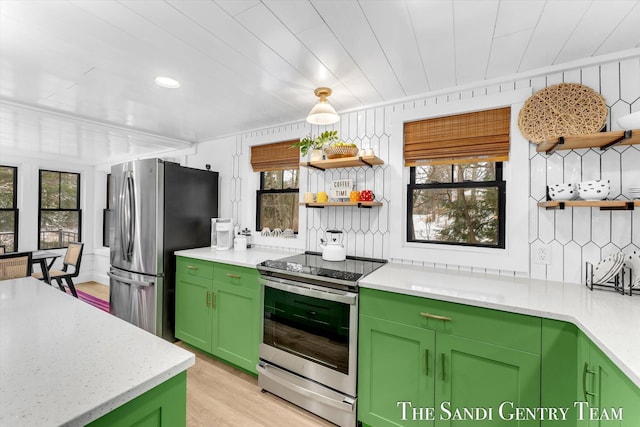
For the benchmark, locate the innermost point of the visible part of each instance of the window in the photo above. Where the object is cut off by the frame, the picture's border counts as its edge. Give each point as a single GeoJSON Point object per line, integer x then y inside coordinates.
{"type": "Point", "coordinates": [277, 203]}
{"type": "Point", "coordinates": [60, 215]}
{"type": "Point", "coordinates": [8, 208]}
{"type": "Point", "coordinates": [456, 192]}
{"type": "Point", "coordinates": [460, 204]}
{"type": "Point", "coordinates": [277, 198]}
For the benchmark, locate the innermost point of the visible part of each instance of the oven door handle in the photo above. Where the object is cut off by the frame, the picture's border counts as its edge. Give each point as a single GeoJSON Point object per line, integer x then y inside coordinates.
{"type": "Point", "coordinates": [303, 289]}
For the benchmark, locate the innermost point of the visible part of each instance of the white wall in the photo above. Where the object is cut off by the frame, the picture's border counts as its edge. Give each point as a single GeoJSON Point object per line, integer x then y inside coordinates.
{"type": "Point", "coordinates": [573, 235]}
{"type": "Point", "coordinates": [28, 174]}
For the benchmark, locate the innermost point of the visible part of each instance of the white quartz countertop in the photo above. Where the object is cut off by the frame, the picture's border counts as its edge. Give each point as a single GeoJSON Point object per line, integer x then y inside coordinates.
{"type": "Point", "coordinates": [246, 258]}
{"type": "Point", "coordinates": [64, 362]}
{"type": "Point", "coordinates": [609, 319]}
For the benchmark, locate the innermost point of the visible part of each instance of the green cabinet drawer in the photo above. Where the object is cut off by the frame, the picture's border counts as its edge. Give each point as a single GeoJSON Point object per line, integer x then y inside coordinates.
{"type": "Point", "coordinates": [189, 267]}
{"type": "Point", "coordinates": [511, 330]}
{"type": "Point", "coordinates": [237, 276]}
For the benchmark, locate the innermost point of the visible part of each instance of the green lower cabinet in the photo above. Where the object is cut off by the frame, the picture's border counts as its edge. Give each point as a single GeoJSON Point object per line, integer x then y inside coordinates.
{"type": "Point", "coordinates": [484, 384]}
{"type": "Point", "coordinates": [194, 316]}
{"type": "Point", "coordinates": [612, 399]}
{"type": "Point", "coordinates": [236, 334]}
{"type": "Point", "coordinates": [395, 366]}
{"type": "Point", "coordinates": [418, 372]}
{"type": "Point", "coordinates": [561, 371]}
{"type": "Point", "coordinates": [163, 406]}
{"type": "Point", "coordinates": [218, 309]}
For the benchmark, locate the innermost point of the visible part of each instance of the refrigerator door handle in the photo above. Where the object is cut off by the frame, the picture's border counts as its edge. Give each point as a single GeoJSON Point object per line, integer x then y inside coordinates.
{"type": "Point", "coordinates": [130, 281]}
{"type": "Point", "coordinates": [127, 216]}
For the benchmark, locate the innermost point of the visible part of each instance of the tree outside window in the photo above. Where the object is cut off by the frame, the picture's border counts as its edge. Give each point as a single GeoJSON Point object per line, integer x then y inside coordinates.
{"type": "Point", "coordinates": [460, 204]}
{"type": "Point", "coordinates": [60, 214]}
{"type": "Point", "coordinates": [8, 208]}
{"type": "Point", "coordinates": [277, 200]}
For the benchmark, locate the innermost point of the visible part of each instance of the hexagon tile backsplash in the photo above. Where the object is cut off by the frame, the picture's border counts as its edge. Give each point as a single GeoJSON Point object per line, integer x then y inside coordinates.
{"type": "Point", "coordinates": [572, 235]}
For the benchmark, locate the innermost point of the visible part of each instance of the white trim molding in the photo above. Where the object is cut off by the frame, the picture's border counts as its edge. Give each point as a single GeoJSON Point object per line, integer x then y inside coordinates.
{"type": "Point", "coordinates": [515, 255]}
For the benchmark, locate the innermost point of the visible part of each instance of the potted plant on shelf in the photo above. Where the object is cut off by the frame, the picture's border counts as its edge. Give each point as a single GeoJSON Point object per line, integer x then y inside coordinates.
{"type": "Point", "coordinates": [313, 146]}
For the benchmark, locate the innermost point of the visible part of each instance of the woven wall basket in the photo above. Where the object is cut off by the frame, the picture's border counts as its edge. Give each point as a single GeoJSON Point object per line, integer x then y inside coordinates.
{"type": "Point", "coordinates": [561, 110]}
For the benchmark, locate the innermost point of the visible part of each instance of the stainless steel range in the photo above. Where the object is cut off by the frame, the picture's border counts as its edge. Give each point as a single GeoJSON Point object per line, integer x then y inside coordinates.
{"type": "Point", "coordinates": [308, 353]}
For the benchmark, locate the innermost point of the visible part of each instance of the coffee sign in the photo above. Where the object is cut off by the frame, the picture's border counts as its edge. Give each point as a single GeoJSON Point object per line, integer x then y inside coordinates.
{"type": "Point", "coordinates": [341, 188]}
{"type": "Point", "coordinates": [342, 183]}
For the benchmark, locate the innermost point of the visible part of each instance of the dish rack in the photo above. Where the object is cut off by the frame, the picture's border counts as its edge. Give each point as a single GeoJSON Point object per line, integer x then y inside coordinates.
{"type": "Point", "coordinates": [620, 283]}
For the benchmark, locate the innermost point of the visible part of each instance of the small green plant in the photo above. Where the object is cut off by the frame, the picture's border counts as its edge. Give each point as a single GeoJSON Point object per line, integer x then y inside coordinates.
{"type": "Point", "coordinates": [310, 143]}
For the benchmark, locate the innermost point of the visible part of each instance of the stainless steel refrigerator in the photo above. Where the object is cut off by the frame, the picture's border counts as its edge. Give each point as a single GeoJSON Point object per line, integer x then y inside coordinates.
{"type": "Point", "coordinates": [158, 207]}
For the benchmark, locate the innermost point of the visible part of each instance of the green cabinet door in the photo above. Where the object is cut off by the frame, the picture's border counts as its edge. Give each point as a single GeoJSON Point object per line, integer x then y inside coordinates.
{"type": "Point", "coordinates": [236, 325]}
{"type": "Point", "coordinates": [193, 313]}
{"type": "Point", "coordinates": [194, 294]}
{"type": "Point", "coordinates": [236, 320]}
{"type": "Point", "coordinates": [395, 365]}
{"type": "Point", "coordinates": [614, 398]}
{"type": "Point", "coordinates": [477, 375]}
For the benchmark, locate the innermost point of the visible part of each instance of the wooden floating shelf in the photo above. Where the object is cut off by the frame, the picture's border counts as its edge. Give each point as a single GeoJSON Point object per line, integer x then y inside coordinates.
{"type": "Point", "coordinates": [344, 162]}
{"type": "Point", "coordinates": [357, 204]}
{"type": "Point", "coordinates": [602, 204]}
{"type": "Point", "coordinates": [602, 140]}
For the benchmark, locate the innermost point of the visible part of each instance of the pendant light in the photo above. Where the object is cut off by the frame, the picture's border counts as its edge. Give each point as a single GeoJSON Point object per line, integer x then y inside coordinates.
{"type": "Point", "coordinates": [322, 113]}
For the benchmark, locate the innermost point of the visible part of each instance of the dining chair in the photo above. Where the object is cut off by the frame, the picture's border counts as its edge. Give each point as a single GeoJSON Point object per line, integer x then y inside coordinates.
{"type": "Point", "coordinates": [72, 258]}
{"type": "Point", "coordinates": [15, 265]}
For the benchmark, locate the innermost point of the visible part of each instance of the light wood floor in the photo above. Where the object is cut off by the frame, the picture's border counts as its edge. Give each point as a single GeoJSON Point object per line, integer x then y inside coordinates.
{"type": "Point", "coordinates": [94, 288]}
{"type": "Point", "coordinates": [222, 396]}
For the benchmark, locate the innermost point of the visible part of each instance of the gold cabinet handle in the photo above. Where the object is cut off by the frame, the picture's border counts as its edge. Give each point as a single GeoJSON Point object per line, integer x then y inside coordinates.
{"type": "Point", "coordinates": [586, 371]}
{"type": "Point", "coordinates": [233, 276]}
{"type": "Point", "coordinates": [426, 361]}
{"type": "Point", "coordinates": [435, 316]}
{"type": "Point", "coordinates": [208, 298]}
{"type": "Point", "coordinates": [213, 300]}
{"type": "Point", "coordinates": [192, 267]}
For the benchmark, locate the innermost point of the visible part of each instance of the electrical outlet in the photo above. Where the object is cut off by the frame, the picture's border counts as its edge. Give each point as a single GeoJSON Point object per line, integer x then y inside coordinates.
{"type": "Point", "coordinates": [542, 255]}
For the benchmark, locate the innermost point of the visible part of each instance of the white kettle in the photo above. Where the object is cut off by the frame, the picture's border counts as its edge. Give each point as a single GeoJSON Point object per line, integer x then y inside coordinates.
{"type": "Point", "coordinates": [332, 248]}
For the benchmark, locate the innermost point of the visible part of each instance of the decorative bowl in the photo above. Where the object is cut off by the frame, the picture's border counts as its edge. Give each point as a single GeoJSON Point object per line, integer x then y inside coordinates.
{"type": "Point", "coordinates": [335, 152]}
{"type": "Point", "coordinates": [630, 121]}
{"type": "Point", "coordinates": [594, 190]}
{"type": "Point", "coordinates": [566, 191]}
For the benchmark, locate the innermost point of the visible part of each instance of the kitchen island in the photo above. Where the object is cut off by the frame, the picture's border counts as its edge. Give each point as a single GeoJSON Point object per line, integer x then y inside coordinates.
{"type": "Point", "coordinates": [64, 362]}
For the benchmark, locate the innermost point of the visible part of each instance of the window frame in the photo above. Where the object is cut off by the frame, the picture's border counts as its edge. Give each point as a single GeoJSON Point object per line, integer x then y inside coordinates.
{"type": "Point", "coordinates": [16, 220]}
{"type": "Point", "coordinates": [261, 191]}
{"type": "Point", "coordinates": [41, 209]}
{"type": "Point", "coordinates": [515, 257]}
{"type": "Point", "coordinates": [498, 182]}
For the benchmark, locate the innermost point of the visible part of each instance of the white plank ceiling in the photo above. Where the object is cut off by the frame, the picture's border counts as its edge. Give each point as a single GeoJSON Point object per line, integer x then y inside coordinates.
{"type": "Point", "coordinates": [76, 77]}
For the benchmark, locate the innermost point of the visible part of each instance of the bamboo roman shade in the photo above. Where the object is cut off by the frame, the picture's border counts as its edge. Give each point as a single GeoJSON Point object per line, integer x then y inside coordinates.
{"type": "Point", "coordinates": [463, 138]}
{"type": "Point", "coordinates": [276, 156]}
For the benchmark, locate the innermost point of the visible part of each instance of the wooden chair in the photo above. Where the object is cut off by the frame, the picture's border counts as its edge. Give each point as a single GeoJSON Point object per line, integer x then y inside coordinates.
{"type": "Point", "coordinates": [71, 258]}
{"type": "Point", "coordinates": [15, 265]}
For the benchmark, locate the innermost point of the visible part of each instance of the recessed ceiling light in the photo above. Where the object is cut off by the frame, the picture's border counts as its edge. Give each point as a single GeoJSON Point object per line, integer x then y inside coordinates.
{"type": "Point", "coordinates": [167, 82]}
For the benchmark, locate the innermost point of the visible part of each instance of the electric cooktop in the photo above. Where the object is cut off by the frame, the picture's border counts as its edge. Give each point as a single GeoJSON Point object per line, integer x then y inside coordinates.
{"type": "Point", "coordinates": [310, 265]}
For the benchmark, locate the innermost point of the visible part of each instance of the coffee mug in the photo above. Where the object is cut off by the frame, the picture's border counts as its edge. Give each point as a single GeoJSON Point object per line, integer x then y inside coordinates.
{"type": "Point", "coordinates": [309, 198]}
{"type": "Point", "coordinates": [322, 197]}
{"type": "Point", "coordinates": [367, 196]}
{"type": "Point", "coordinates": [354, 196]}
